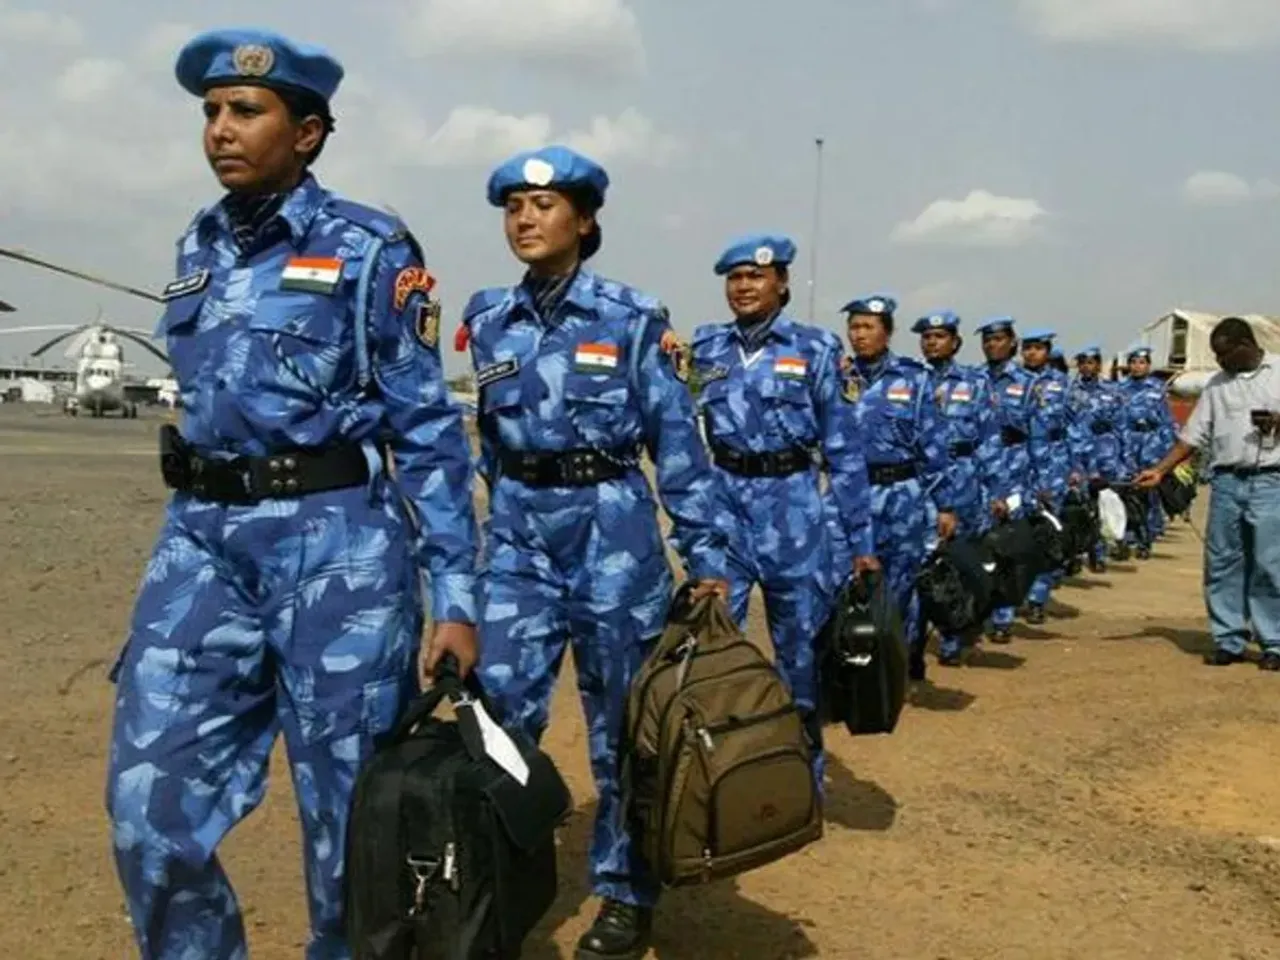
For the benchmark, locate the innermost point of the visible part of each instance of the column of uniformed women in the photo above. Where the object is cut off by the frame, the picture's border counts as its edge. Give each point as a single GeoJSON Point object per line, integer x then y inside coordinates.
{"type": "Point", "coordinates": [322, 485]}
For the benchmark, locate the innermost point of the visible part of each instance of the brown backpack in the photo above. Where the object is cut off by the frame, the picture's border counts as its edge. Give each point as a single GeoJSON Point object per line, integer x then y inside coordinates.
{"type": "Point", "coordinates": [717, 764]}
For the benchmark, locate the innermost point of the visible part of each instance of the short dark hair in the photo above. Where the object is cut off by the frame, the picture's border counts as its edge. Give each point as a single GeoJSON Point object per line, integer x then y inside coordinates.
{"type": "Point", "coordinates": [1233, 332]}
{"type": "Point", "coordinates": [886, 319]}
{"type": "Point", "coordinates": [302, 104]}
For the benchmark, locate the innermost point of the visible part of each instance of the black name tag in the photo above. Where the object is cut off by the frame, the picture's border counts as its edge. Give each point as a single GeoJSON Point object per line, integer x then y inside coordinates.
{"type": "Point", "coordinates": [191, 283]}
{"type": "Point", "coordinates": [496, 371]}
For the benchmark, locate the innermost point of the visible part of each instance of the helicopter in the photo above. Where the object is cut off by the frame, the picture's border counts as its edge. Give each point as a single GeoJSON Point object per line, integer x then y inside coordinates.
{"type": "Point", "coordinates": [100, 386]}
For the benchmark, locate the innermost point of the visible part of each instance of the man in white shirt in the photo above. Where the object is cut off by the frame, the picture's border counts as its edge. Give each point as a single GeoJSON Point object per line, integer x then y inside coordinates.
{"type": "Point", "coordinates": [1237, 422]}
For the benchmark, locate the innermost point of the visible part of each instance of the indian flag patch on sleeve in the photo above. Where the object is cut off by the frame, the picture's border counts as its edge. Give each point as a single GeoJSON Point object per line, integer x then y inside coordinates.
{"type": "Point", "coordinates": [596, 356]}
{"type": "Point", "coordinates": [311, 274]}
{"type": "Point", "coordinates": [793, 367]}
{"type": "Point", "coordinates": [899, 393]}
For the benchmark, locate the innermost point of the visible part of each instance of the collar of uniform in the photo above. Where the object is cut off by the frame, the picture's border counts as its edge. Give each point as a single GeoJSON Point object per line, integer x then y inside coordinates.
{"type": "Point", "coordinates": [780, 327]}
{"type": "Point", "coordinates": [298, 210]}
{"type": "Point", "coordinates": [947, 368]}
{"type": "Point", "coordinates": [870, 371]}
{"type": "Point", "coordinates": [581, 293]}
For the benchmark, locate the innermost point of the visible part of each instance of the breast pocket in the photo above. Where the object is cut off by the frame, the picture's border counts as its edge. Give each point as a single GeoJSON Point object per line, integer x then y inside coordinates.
{"type": "Point", "coordinates": [600, 408]}
{"type": "Point", "coordinates": [179, 324]}
{"type": "Point", "coordinates": [790, 408]}
{"type": "Point", "coordinates": [302, 343]}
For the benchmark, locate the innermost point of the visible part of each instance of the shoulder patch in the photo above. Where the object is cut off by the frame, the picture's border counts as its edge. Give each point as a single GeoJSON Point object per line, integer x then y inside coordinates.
{"type": "Point", "coordinates": [411, 280]}
{"type": "Point", "coordinates": [851, 389]}
{"type": "Point", "coordinates": [427, 323]}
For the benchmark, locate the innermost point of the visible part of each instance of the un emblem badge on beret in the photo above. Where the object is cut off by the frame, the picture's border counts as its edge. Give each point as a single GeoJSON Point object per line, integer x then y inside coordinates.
{"type": "Point", "coordinates": [876, 305]}
{"type": "Point", "coordinates": [253, 60]}
{"type": "Point", "coordinates": [538, 172]}
{"type": "Point", "coordinates": [764, 256]}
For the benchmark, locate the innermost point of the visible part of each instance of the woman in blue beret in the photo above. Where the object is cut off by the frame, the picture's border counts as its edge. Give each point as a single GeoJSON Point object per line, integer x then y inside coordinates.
{"type": "Point", "coordinates": [283, 593]}
{"type": "Point", "coordinates": [577, 376]}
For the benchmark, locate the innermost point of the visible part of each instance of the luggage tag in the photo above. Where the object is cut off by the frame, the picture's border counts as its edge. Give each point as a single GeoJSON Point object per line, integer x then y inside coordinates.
{"type": "Point", "coordinates": [498, 746]}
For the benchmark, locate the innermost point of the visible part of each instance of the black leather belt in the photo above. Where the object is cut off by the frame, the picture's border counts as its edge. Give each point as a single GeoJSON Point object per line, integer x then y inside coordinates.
{"type": "Point", "coordinates": [1056, 435]}
{"type": "Point", "coordinates": [249, 480]}
{"type": "Point", "coordinates": [964, 448]}
{"type": "Point", "coordinates": [1012, 436]}
{"type": "Point", "coordinates": [884, 474]}
{"type": "Point", "coordinates": [584, 467]}
{"type": "Point", "coordinates": [1247, 471]}
{"type": "Point", "coordinates": [1100, 427]}
{"type": "Point", "coordinates": [779, 463]}
{"type": "Point", "coordinates": [1144, 426]}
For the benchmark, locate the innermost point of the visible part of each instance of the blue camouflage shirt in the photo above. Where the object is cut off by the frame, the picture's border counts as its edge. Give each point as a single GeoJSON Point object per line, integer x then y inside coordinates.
{"type": "Point", "coordinates": [901, 422]}
{"type": "Point", "coordinates": [268, 356]}
{"type": "Point", "coordinates": [601, 377]}
{"type": "Point", "coordinates": [786, 393]}
{"type": "Point", "coordinates": [963, 396]}
{"type": "Point", "coordinates": [1099, 411]}
{"type": "Point", "coordinates": [1010, 399]}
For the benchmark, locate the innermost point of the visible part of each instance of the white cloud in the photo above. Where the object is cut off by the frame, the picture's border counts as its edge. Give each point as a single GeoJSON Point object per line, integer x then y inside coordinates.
{"type": "Point", "coordinates": [1219, 188]}
{"type": "Point", "coordinates": [980, 219]}
{"type": "Point", "coordinates": [39, 28]}
{"type": "Point", "coordinates": [629, 136]}
{"type": "Point", "coordinates": [1194, 24]}
{"type": "Point", "coordinates": [89, 80]}
{"type": "Point", "coordinates": [601, 37]}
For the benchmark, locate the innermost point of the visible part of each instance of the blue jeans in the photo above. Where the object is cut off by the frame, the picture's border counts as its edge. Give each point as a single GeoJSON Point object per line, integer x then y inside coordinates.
{"type": "Point", "coordinates": [1242, 561]}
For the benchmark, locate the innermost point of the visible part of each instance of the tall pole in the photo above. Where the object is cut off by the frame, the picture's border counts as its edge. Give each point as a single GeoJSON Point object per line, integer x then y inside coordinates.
{"type": "Point", "coordinates": [813, 241]}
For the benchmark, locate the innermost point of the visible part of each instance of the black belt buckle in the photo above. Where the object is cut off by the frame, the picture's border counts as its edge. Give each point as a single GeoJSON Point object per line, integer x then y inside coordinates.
{"type": "Point", "coordinates": [965, 448]}
{"type": "Point", "coordinates": [273, 476]}
{"type": "Point", "coordinates": [580, 468]}
{"type": "Point", "coordinates": [1101, 427]}
{"type": "Point", "coordinates": [1012, 436]}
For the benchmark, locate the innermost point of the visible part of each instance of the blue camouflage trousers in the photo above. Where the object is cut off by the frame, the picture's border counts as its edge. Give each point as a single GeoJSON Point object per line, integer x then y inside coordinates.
{"type": "Point", "coordinates": [295, 616]}
{"type": "Point", "coordinates": [903, 518]}
{"type": "Point", "coordinates": [782, 542]}
{"type": "Point", "coordinates": [584, 567]}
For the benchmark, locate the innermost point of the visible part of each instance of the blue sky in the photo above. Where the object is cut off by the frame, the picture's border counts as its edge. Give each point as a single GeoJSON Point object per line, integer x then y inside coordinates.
{"type": "Point", "coordinates": [1082, 164]}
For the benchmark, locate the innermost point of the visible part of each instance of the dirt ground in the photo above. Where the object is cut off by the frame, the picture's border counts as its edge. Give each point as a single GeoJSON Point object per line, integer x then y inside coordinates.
{"type": "Point", "coordinates": [1092, 791]}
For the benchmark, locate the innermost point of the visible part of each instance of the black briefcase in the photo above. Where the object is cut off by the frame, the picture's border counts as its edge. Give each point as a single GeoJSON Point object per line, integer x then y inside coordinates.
{"type": "Point", "coordinates": [1176, 497]}
{"type": "Point", "coordinates": [862, 659]}
{"type": "Point", "coordinates": [1023, 549]}
{"type": "Point", "coordinates": [449, 857]}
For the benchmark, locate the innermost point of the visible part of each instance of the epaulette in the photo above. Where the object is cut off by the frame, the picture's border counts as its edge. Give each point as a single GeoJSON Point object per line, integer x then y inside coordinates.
{"type": "Point", "coordinates": [483, 301]}
{"type": "Point", "coordinates": [706, 332]}
{"type": "Point", "coordinates": [628, 296]}
{"type": "Point", "coordinates": [381, 223]}
{"type": "Point", "coordinates": [910, 364]}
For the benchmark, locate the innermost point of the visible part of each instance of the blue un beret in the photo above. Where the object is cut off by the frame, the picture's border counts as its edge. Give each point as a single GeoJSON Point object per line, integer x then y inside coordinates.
{"type": "Point", "coordinates": [1140, 351]}
{"type": "Point", "coordinates": [258, 58]}
{"type": "Point", "coordinates": [941, 320]}
{"type": "Point", "coordinates": [877, 304]}
{"type": "Point", "coordinates": [553, 168]}
{"type": "Point", "coordinates": [996, 325]}
{"type": "Point", "coordinates": [1038, 336]}
{"type": "Point", "coordinates": [1090, 350]}
{"type": "Point", "coordinates": [761, 249]}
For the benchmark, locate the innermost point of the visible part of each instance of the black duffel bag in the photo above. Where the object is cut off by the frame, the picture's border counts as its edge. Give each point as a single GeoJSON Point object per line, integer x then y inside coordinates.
{"type": "Point", "coordinates": [1137, 501]}
{"type": "Point", "coordinates": [449, 857]}
{"type": "Point", "coordinates": [1176, 496]}
{"type": "Point", "coordinates": [957, 586]}
{"type": "Point", "coordinates": [862, 659]}
{"type": "Point", "coordinates": [1023, 549]}
{"type": "Point", "coordinates": [1080, 527]}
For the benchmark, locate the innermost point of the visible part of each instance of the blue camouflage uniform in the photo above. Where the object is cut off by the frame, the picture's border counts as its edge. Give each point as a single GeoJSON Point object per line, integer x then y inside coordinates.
{"type": "Point", "coordinates": [962, 395]}
{"type": "Point", "coordinates": [305, 328]}
{"type": "Point", "coordinates": [905, 440]}
{"type": "Point", "coordinates": [1098, 407]}
{"type": "Point", "coordinates": [1053, 446]}
{"type": "Point", "coordinates": [1010, 395]}
{"type": "Point", "coordinates": [1149, 433]}
{"type": "Point", "coordinates": [574, 382]}
{"type": "Point", "coordinates": [771, 400]}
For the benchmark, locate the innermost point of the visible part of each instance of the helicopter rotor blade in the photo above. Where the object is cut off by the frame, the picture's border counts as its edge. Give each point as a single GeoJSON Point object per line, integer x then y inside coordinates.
{"type": "Point", "coordinates": [44, 328]}
{"type": "Point", "coordinates": [58, 339]}
{"type": "Point", "coordinates": [7, 307]}
{"type": "Point", "coordinates": [23, 257]}
{"type": "Point", "coordinates": [141, 341]}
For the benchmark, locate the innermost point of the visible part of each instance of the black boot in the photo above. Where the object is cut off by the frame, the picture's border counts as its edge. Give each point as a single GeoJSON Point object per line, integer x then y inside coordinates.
{"type": "Point", "coordinates": [621, 932]}
{"type": "Point", "coordinates": [1001, 635]}
{"type": "Point", "coordinates": [1035, 614]}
